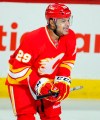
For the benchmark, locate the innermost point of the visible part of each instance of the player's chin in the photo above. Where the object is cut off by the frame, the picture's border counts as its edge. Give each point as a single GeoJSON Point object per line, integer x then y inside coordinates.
{"type": "Point", "coordinates": [65, 33]}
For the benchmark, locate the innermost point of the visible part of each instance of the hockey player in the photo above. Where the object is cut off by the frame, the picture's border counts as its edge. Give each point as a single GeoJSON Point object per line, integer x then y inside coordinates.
{"type": "Point", "coordinates": [43, 61]}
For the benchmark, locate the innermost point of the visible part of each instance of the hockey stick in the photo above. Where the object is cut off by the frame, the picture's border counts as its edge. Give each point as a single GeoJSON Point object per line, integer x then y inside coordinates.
{"type": "Point", "coordinates": [37, 97]}
{"type": "Point", "coordinates": [76, 88]}
{"type": "Point", "coordinates": [56, 94]}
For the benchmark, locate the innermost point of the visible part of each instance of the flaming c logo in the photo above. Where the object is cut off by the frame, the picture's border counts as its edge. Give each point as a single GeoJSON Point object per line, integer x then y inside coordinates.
{"type": "Point", "coordinates": [48, 65]}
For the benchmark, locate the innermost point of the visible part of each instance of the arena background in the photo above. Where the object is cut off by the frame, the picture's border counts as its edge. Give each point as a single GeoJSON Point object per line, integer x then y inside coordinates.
{"type": "Point", "coordinates": [17, 17]}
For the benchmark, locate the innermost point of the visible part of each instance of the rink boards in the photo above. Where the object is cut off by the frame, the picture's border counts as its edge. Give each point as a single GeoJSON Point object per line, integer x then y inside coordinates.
{"type": "Point", "coordinates": [90, 89]}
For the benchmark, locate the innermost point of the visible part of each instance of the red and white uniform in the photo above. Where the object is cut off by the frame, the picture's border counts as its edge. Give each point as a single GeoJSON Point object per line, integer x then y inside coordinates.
{"type": "Point", "coordinates": [38, 57]}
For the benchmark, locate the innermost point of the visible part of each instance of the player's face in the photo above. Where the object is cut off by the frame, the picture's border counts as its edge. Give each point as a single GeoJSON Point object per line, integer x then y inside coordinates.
{"type": "Point", "coordinates": [62, 26]}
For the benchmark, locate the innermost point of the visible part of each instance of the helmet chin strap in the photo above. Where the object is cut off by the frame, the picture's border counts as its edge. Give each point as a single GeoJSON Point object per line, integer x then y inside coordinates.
{"type": "Point", "coordinates": [55, 31]}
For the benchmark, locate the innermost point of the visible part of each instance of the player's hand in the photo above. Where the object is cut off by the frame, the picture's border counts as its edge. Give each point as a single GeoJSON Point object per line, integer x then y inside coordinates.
{"type": "Point", "coordinates": [63, 84]}
{"type": "Point", "coordinates": [45, 86]}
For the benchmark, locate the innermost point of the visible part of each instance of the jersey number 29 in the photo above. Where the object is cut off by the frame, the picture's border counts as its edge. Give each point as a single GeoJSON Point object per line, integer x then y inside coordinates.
{"type": "Point", "coordinates": [24, 57]}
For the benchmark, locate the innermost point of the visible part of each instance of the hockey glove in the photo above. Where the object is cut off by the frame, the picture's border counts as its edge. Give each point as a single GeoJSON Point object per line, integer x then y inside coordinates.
{"type": "Point", "coordinates": [63, 84]}
{"type": "Point", "coordinates": [45, 86]}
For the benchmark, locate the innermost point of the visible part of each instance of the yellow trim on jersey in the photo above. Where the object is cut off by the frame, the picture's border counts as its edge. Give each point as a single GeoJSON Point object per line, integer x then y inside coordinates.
{"type": "Point", "coordinates": [19, 74]}
{"type": "Point", "coordinates": [69, 61]}
{"type": "Point", "coordinates": [18, 69]}
{"type": "Point", "coordinates": [69, 64]}
{"type": "Point", "coordinates": [66, 66]}
{"type": "Point", "coordinates": [12, 80]}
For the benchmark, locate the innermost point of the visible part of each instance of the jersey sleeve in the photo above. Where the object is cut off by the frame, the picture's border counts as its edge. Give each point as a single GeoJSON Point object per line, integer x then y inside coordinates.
{"type": "Point", "coordinates": [67, 64]}
{"type": "Point", "coordinates": [21, 62]}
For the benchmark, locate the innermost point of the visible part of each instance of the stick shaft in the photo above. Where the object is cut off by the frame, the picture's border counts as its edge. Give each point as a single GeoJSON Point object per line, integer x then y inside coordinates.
{"type": "Point", "coordinates": [76, 88]}
{"type": "Point", "coordinates": [55, 94]}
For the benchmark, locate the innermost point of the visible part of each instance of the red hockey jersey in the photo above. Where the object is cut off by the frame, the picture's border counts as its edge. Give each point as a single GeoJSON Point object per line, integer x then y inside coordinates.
{"type": "Point", "coordinates": [38, 57]}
